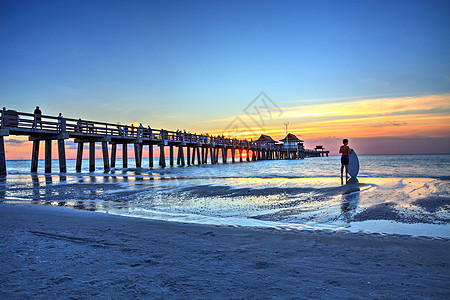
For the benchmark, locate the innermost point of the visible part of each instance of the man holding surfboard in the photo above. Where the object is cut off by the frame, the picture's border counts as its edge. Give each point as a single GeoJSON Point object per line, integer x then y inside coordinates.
{"type": "Point", "coordinates": [346, 151]}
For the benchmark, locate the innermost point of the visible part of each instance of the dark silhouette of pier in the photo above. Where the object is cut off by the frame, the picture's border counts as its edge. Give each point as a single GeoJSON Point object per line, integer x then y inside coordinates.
{"type": "Point", "coordinates": [198, 147]}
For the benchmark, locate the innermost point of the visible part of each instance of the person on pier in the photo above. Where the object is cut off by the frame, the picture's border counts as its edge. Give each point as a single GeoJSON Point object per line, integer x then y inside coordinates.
{"type": "Point", "coordinates": [140, 131]}
{"type": "Point", "coordinates": [149, 130]}
{"type": "Point", "coordinates": [37, 117]}
{"type": "Point", "coordinates": [79, 126]}
{"type": "Point", "coordinates": [60, 118]}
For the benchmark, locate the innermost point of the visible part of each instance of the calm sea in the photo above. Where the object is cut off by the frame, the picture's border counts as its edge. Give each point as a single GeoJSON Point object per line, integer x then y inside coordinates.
{"type": "Point", "coordinates": [393, 194]}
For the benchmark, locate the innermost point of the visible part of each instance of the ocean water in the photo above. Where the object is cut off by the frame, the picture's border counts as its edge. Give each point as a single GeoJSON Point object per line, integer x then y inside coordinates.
{"type": "Point", "coordinates": [393, 194]}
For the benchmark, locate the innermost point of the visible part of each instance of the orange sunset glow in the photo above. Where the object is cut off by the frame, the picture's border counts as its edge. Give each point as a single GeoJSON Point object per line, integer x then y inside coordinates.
{"type": "Point", "coordinates": [394, 119]}
{"type": "Point", "coordinates": [423, 117]}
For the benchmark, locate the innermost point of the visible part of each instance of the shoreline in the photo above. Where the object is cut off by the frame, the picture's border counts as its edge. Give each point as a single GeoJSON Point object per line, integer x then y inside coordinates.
{"type": "Point", "coordinates": [61, 252]}
{"type": "Point", "coordinates": [369, 205]}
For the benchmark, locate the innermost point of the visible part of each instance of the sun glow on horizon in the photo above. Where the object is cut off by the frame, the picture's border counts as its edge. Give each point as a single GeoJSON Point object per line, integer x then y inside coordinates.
{"type": "Point", "coordinates": [422, 117]}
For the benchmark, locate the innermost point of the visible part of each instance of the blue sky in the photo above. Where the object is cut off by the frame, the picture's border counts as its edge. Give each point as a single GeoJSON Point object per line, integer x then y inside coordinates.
{"type": "Point", "coordinates": [174, 63]}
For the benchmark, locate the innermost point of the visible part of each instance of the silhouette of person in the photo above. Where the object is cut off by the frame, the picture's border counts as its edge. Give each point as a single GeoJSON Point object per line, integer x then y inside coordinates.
{"type": "Point", "coordinates": [345, 151]}
{"type": "Point", "coordinates": [79, 125]}
{"type": "Point", "coordinates": [38, 116]}
{"type": "Point", "coordinates": [60, 117]}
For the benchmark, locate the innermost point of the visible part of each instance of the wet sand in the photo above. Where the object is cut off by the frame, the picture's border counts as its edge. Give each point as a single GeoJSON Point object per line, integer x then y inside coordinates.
{"type": "Point", "coordinates": [55, 252]}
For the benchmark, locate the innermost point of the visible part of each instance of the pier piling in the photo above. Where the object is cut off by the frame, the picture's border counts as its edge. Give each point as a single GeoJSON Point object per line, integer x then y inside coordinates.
{"type": "Point", "coordinates": [91, 156]}
{"type": "Point", "coordinates": [62, 156]}
{"type": "Point", "coordinates": [105, 156]}
{"type": "Point", "coordinates": [150, 156]}
{"type": "Point", "coordinates": [113, 155]}
{"type": "Point", "coordinates": [188, 155]}
{"type": "Point", "coordinates": [2, 157]}
{"type": "Point", "coordinates": [35, 156]}
{"type": "Point", "coordinates": [199, 162]}
{"type": "Point", "coordinates": [48, 156]}
{"type": "Point", "coordinates": [137, 155]}
{"type": "Point", "coordinates": [79, 156]}
{"type": "Point", "coordinates": [124, 156]}
{"type": "Point", "coordinates": [162, 157]}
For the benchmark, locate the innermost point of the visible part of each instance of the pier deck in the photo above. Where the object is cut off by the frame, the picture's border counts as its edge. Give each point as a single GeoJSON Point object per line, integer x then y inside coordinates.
{"type": "Point", "coordinates": [198, 146]}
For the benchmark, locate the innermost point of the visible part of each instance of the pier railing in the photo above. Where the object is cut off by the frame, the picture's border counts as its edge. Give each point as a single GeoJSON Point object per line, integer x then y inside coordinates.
{"type": "Point", "coordinates": [33, 124]}
{"type": "Point", "coordinates": [44, 127]}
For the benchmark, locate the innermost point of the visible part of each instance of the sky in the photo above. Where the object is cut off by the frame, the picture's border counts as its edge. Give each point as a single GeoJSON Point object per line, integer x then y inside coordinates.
{"type": "Point", "coordinates": [375, 72]}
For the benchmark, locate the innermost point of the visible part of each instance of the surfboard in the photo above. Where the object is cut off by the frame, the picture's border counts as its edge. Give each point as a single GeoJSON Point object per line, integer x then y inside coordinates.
{"type": "Point", "coordinates": [353, 164]}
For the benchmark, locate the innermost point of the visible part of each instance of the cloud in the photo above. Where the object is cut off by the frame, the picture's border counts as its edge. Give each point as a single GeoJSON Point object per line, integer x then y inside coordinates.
{"type": "Point", "coordinates": [388, 124]}
{"type": "Point", "coordinates": [16, 142]}
{"type": "Point", "coordinates": [421, 116]}
{"type": "Point", "coordinates": [72, 146]}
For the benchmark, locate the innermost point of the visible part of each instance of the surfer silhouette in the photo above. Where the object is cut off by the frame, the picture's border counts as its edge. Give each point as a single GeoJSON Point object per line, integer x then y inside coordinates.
{"type": "Point", "coordinates": [345, 151]}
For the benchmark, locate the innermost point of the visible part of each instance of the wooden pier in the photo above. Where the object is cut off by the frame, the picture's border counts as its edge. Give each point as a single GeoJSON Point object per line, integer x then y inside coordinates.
{"type": "Point", "coordinates": [191, 148]}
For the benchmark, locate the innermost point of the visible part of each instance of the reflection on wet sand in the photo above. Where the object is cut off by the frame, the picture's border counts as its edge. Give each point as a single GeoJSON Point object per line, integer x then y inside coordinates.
{"type": "Point", "coordinates": [48, 179]}
{"type": "Point", "coordinates": [85, 193]}
{"type": "Point", "coordinates": [350, 199]}
{"type": "Point", "coordinates": [2, 187]}
{"type": "Point", "coordinates": [243, 200]}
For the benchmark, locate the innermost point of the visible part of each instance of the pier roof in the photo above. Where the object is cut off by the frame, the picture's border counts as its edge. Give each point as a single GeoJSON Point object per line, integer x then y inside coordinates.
{"type": "Point", "coordinates": [265, 139]}
{"type": "Point", "coordinates": [291, 138]}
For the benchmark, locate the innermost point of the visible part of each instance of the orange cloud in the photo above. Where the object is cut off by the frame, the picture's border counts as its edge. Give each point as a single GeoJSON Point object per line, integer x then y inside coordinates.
{"type": "Point", "coordinates": [423, 116]}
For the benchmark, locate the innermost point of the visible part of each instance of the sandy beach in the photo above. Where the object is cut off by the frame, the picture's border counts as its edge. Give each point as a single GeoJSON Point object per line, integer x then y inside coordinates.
{"type": "Point", "coordinates": [54, 252]}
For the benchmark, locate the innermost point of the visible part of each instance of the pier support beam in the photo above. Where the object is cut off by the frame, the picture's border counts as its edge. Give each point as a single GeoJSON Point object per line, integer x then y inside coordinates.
{"type": "Point", "coordinates": [216, 154]}
{"type": "Point", "coordinates": [48, 156]}
{"type": "Point", "coordinates": [105, 156]}
{"type": "Point", "coordinates": [240, 155]}
{"type": "Point", "coordinates": [171, 156]}
{"type": "Point", "coordinates": [181, 155]}
{"type": "Point", "coordinates": [91, 156]}
{"type": "Point", "coordinates": [125, 156]}
{"type": "Point", "coordinates": [137, 155]}
{"type": "Point", "coordinates": [233, 154]}
{"type": "Point", "coordinates": [2, 157]}
{"type": "Point", "coordinates": [162, 157]}
{"type": "Point", "coordinates": [188, 154]}
{"type": "Point", "coordinates": [113, 155]}
{"type": "Point", "coordinates": [35, 156]}
{"type": "Point", "coordinates": [199, 159]}
{"type": "Point", "coordinates": [62, 156]}
{"type": "Point", "coordinates": [203, 155]}
{"type": "Point", "coordinates": [224, 155]}
{"type": "Point", "coordinates": [150, 156]}
{"type": "Point", "coordinates": [212, 151]}
{"type": "Point", "coordinates": [79, 156]}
